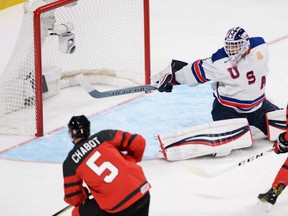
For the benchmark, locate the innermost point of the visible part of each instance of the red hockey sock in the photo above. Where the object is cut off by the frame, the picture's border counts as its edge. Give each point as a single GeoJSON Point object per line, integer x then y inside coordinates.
{"type": "Point", "coordinates": [282, 176]}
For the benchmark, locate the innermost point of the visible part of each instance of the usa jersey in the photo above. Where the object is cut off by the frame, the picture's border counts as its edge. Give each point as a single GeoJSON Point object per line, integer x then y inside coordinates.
{"type": "Point", "coordinates": [241, 87]}
{"type": "Point", "coordinates": [114, 178]}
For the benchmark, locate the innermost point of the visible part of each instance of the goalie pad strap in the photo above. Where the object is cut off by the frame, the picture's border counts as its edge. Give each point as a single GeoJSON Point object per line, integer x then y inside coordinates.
{"type": "Point", "coordinates": [276, 124]}
{"type": "Point", "coordinates": [219, 137]}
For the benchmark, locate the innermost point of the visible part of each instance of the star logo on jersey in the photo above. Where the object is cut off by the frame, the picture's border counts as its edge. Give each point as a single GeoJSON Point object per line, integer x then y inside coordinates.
{"type": "Point", "coordinates": [259, 56]}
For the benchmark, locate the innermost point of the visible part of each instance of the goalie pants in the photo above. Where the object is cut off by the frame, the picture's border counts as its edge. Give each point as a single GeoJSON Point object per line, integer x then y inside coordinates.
{"type": "Point", "coordinates": [256, 118]}
{"type": "Point", "coordinates": [91, 208]}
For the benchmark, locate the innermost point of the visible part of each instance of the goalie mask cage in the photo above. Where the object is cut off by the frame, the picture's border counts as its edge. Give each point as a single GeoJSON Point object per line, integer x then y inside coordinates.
{"type": "Point", "coordinates": [111, 39]}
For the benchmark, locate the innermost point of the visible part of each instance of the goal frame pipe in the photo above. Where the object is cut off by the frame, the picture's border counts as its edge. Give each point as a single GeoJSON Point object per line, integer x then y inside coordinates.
{"type": "Point", "coordinates": [38, 60]}
{"type": "Point", "coordinates": [147, 54]}
{"type": "Point", "coordinates": [38, 54]}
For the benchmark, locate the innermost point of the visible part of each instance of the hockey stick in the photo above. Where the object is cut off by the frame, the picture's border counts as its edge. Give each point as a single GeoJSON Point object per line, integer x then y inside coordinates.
{"type": "Point", "coordinates": [86, 85]}
{"type": "Point", "coordinates": [66, 208]}
{"type": "Point", "coordinates": [205, 173]}
{"type": "Point", "coordinates": [62, 210]}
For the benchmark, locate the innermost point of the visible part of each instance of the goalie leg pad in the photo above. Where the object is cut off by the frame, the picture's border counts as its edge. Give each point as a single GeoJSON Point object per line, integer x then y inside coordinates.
{"type": "Point", "coordinates": [276, 124]}
{"type": "Point", "coordinates": [214, 138]}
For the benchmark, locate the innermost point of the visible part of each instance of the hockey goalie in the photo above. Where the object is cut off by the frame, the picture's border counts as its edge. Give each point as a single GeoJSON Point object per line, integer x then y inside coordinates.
{"type": "Point", "coordinates": [238, 72]}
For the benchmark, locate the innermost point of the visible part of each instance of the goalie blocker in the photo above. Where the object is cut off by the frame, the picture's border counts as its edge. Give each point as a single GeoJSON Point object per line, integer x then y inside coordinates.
{"type": "Point", "coordinates": [217, 138]}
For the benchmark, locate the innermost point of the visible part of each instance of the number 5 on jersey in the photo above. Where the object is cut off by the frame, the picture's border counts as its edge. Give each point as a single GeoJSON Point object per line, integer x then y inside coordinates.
{"type": "Point", "coordinates": [100, 169]}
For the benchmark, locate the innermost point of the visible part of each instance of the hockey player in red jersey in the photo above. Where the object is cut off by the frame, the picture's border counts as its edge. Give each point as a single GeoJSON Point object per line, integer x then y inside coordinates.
{"type": "Point", "coordinates": [238, 71]}
{"type": "Point", "coordinates": [281, 180]}
{"type": "Point", "coordinates": [104, 167]}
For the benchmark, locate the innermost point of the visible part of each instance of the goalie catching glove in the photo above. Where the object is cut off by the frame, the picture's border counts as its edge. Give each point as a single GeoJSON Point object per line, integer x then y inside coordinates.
{"type": "Point", "coordinates": [281, 144]}
{"type": "Point", "coordinates": [165, 80]}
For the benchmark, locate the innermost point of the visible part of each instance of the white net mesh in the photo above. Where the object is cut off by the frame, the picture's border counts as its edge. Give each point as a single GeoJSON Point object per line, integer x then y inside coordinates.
{"type": "Point", "coordinates": [109, 40]}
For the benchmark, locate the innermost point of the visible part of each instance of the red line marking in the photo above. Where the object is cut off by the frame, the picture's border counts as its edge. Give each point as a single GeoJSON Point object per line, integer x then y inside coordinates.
{"type": "Point", "coordinates": [60, 128]}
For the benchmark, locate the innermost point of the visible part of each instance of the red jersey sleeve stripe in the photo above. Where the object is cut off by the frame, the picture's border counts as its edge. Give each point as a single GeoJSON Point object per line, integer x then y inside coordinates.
{"type": "Point", "coordinates": [131, 140]}
{"type": "Point", "coordinates": [71, 184]}
{"type": "Point", "coordinates": [198, 71]}
{"type": "Point", "coordinates": [122, 143]}
{"type": "Point", "coordinates": [68, 196]}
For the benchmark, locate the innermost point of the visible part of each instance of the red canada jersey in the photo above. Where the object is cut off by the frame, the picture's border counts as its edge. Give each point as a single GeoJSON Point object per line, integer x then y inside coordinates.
{"type": "Point", "coordinates": [107, 163]}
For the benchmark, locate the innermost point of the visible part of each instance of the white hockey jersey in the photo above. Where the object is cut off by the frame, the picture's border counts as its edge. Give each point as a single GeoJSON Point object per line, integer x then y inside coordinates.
{"type": "Point", "coordinates": [241, 87]}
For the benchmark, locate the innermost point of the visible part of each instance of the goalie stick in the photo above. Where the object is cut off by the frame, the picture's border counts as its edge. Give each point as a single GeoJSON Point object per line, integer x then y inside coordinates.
{"type": "Point", "coordinates": [205, 173]}
{"type": "Point", "coordinates": [86, 85]}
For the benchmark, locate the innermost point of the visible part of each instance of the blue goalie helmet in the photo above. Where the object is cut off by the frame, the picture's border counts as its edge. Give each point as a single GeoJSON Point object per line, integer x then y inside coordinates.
{"type": "Point", "coordinates": [236, 43]}
{"type": "Point", "coordinates": [79, 127]}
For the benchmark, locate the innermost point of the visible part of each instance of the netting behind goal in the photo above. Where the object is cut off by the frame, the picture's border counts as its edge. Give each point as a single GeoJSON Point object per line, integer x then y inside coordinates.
{"type": "Point", "coordinates": [105, 39]}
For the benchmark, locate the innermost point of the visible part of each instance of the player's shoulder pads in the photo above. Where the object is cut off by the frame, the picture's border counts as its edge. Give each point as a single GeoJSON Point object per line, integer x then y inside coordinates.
{"type": "Point", "coordinates": [219, 54]}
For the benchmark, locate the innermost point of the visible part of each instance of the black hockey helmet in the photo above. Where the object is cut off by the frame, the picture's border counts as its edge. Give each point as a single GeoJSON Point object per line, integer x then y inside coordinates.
{"type": "Point", "coordinates": [79, 126]}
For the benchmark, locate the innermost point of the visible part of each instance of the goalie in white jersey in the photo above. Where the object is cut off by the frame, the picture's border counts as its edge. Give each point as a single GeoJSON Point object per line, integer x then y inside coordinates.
{"type": "Point", "coordinates": [239, 71]}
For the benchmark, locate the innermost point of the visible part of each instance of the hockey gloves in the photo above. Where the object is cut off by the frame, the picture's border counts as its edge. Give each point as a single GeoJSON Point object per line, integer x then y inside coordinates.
{"type": "Point", "coordinates": [281, 145]}
{"type": "Point", "coordinates": [165, 80]}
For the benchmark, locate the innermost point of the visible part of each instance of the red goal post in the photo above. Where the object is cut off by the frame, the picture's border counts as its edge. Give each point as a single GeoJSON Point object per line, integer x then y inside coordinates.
{"type": "Point", "coordinates": [102, 39]}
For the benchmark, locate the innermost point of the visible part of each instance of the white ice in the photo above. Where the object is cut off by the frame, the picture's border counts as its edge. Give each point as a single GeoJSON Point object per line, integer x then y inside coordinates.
{"type": "Point", "coordinates": [185, 30]}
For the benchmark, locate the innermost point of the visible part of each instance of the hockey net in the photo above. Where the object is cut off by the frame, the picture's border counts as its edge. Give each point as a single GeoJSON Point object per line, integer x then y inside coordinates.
{"type": "Point", "coordinates": [106, 40]}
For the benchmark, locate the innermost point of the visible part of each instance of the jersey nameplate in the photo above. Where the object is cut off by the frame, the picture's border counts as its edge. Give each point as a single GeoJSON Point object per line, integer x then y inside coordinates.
{"type": "Point", "coordinates": [87, 146]}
